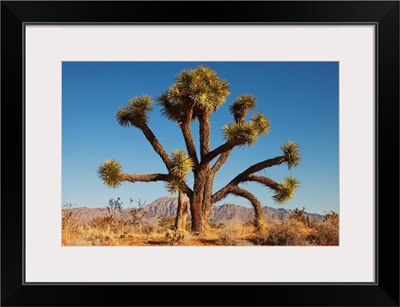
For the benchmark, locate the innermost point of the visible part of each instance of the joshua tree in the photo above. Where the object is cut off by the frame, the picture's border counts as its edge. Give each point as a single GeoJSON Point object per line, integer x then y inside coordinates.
{"type": "Point", "coordinates": [195, 96]}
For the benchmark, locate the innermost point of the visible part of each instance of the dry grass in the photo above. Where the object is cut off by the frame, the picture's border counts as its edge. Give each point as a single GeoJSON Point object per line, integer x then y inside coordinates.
{"type": "Point", "coordinates": [295, 233]}
{"type": "Point", "coordinates": [108, 231]}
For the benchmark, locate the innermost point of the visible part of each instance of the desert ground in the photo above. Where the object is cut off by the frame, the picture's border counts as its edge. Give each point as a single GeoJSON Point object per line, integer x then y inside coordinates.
{"type": "Point", "coordinates": [109, 230]}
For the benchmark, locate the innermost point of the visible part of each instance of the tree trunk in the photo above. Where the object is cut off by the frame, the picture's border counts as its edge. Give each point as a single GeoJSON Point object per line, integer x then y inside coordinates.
{"type": "Point", "coordinates": [196, 203]}
{"type": "Point", "coordinates": [210, 182]}
{"type": "Point", "coordinates": [259, 221]}
{"type": "Point", "coordinates": [207, 213]}
{"type": "Point", "coordinates": [207, 203]}
{"type": "Point", "coordinates": [180, 221]}
{"type": "Point", "coordinates": [197, 216]}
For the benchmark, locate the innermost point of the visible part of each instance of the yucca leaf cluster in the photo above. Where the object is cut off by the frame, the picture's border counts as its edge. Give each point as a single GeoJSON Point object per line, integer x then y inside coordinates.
{"type": "Point", "coordinates": [260, 123]}
{"type": "Point", "coordinates": [171, 109]}
{"type": "Point", "coordinates": [196, 89]}
{"type": "Point", "coordinates": [240, 134]}
{"type": "Point", "coordinates": [291, 153]}
{"type": "Point", "coordinates": [174, 185]}
{"type": "Point", "coordinates": [241, 106]}
{"type": "Point", "coordinates": [181, 165]}
{"type": "Point", "coordinates": [109, 172]}
{"type": "Point", "coordinates": [245, 133]}
{"type": "Point", "coordinates": [136, 112]}
{"type": "Point", "coordinates": [286, 190]}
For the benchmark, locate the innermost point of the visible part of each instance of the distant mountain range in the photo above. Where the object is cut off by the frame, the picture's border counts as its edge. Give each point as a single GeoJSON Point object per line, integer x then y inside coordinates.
{"type": "Point", "coordinates": [167, 207]}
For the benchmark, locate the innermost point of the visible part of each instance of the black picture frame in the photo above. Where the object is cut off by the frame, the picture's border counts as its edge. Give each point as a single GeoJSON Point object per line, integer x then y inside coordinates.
{"type": "Point", "coordinates": [383, 14]}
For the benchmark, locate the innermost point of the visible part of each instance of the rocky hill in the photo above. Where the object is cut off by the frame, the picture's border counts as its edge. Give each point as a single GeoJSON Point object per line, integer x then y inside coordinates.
{"type": "Point", "coordinates": [167, 207]}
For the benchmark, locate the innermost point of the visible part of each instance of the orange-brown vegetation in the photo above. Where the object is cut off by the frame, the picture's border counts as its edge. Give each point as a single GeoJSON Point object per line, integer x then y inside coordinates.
{"type": "Point", "coordinates": [296, 230]}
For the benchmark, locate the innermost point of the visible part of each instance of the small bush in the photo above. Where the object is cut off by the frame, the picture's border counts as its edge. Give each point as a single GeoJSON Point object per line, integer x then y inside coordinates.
{"type": "Point", "coordinates": [290, 232]}
{"type": "Point", "coordinates": [232, 235]}
{"type": "Point", "coordinates": [326, 233]}
{"type": "Point", "coordinates": [332, 217]}
{"type": "Point", "coordinates": [220, 225]}
{"type": "Point", "coordinates": [295, 232]}
{"type": "Point", "coordinates": [177, 236]}
{"type": "Point", "coordinates": [165, 223]}
{"type": "Point", "coordinates": [299, 215]}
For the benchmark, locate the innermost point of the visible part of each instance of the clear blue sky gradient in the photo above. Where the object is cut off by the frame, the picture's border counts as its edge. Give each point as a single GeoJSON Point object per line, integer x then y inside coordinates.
{"type": "Point", "coordinates": [299, 98]}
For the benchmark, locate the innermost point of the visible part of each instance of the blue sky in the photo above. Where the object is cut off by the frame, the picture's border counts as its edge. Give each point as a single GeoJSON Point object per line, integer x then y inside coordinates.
{"type": "Point", "coordinates": [299, 98]}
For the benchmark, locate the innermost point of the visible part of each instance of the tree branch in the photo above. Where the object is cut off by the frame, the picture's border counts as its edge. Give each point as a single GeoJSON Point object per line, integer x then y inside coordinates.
{"type": "Point", "coordinates": [152, 178]}
{"type": "Point", "coordinates": [219, 150]}
{"type": "Point", "coordinates": [221, 160]}
{"type": "Point", "coordinates": [210, 180]}
{"type": "Point", "coordinates": [268, 182]}
{"type": "Point", "coordinates": [205, 127]}
{"type": "Point", "coordinates": [159, 149]}
{"type": "Point", "coordinates": [143, 177]}
{"type": "Point", "coordinates": [258, 209]}
{"type": "Point", "coordinates": [245, 175]}
{"type": "Point", "coordinates": [188, 137]}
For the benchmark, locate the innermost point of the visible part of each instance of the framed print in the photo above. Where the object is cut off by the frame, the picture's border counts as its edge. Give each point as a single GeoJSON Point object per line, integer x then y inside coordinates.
{"type": "Point", "coordinates": [226, 148]}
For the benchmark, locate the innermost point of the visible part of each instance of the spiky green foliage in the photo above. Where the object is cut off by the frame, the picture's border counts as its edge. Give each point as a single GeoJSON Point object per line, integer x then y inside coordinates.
{"type": "Point", "coordinates": [291, 153]}
{"type": "Point", "coordinates": [261, 123]}
{"type": "Point", "coordinates": [109, 172]}
{"type": "Point", "coordinates": [241, 134]}
{"type": "Point", "coordinates": [136, 112]}
{"type": "Point", "coordinates": [199, 88]}
{"type": "Point", "coordinates": [206, 89]}
{"type": "Point", "coordinates": [170, 108]}
{"type": "Point", "coordinates": [241, 106]}
{"type": "Point", "coordinates": [177, 93]}
{"type": "Point", "coordinates": [181, 164]}
{"type": "Point", "coordinates": [287, 189]}
{"type": "Point", "coordinates": [174, 185]}
{"type": "Point", "coordinates": [124, 117]}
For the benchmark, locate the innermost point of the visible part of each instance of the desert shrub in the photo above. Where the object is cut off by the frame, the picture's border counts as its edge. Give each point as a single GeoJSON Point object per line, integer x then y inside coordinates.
{"type": "Point", "coordinates": [177, 236]}
{"type": "Point", "coordinates": [67, 218]}
{"type": "Point", "coordinates": [290, 232]}
{"type": "Point", "coordinates": [295, 232]}
{"type": "Point", "coordinates": [326, 233]}
{"type": "Point", "coordinates": [188, 224]}
{"type": "Point", "coordinates": [108, 223]}
{"type": "Point", "coordinates": [332, 217]}
{"type": "Point", "coordinates": [232, 235]}
{"type": "Point", "coordinates": [71, 224]}
{"type": "Point", "coordinates": [96, 238]}
{"type": "Point", "coordinates": [300, 216]}
{"type": "Point", "coordinates": [220, 225]}
{"type": "Point", "coordinates": [165, 223]}
{"type": "Point", "coordinates": [102, 223]}
{"type": "Point", "coordinates": [137, 214]}
{"type": "Point", "coordinates": [113, 207]}
{"type": "Point", "coordinates": [249, 223]}
{"type": "Point", "coordinates": [147, 229]}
